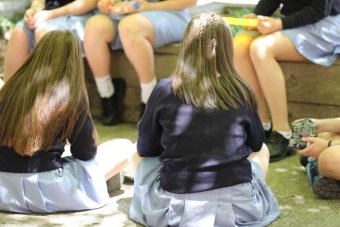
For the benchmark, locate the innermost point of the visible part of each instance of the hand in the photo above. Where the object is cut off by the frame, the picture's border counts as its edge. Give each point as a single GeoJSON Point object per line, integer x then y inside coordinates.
{"type": "Point", "coordinates": [268, 25]}
{"type": "Point", "coordinates": [105, 5]}
{"type": "Point", "coordinates": [42, 16]}
{"type": "Point", "coordinates": [28, 17]}
{"type": "Point", "coordinates": [250, 16]}
{"type": "Point", "coordinates": [315, 146]}
{"type": "Point", "coordinates": [128, 7]}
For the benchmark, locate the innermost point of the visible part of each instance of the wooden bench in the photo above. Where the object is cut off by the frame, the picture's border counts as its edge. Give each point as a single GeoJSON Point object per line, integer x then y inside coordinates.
{"type": "Point", "coordinates": [312, 90]}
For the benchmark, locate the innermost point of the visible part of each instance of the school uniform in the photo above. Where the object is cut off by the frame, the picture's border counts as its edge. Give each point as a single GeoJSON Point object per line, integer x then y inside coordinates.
{"type": "Point", "coordinates": [47, 182]}
{"type": "Point", "coordinates": [313, 26]}
{"type": "Point", "coordinates": [195, 170]}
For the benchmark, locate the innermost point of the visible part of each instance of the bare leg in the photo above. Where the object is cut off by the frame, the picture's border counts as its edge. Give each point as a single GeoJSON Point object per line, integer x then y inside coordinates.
{"type": "Point", "coordinates": [262, 158]}
{"type": "Point", "coordinates": [96, 44]}
{"type": "Point", "coordinates": [137, 35]}
{"type": "Point", "coordinates": [113, 156]}
{"type": "Point", "coordinates": [245, 68]}
{"type": "Point", "coordinates": [265, 51]}
{"type": "Point", "coordinates": [329, 159]}
{"type": "Point", "coordinates": [39, 33]}
{"type": "Point", "coordinates": [16, 53]}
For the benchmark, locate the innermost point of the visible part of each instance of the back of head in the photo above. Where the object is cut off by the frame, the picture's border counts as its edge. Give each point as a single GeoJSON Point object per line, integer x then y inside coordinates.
{"type": "Point", "coordinates": [205, 75]}
{"type": "Point", "coordinates": [44, 97]}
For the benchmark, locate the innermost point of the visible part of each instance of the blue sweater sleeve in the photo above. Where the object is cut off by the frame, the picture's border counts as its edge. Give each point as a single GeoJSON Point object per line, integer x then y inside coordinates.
{"type": "Point", "coordinates": [149, 128]}
{"type": "Point", "coordinates": [255, 132]}
{"type": "Point", "coordinates": [83, 144]}
{"type": "Point", "coordinates": [315, 11]}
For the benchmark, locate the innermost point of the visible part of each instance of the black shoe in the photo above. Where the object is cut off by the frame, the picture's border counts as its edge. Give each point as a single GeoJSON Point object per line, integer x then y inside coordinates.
{"type": "Point", "coordinates": [278, 147]}
{"type": "Point", "coordinates": [267, 133]}
{"type": "Point", "coordinates": [113, 106]}
{"type": "Point", "coordinates": [327, 188]}
{"type": "Point", "coordinates": [142, 110]}
{"type": "Point", "coordinates": [303, 160]}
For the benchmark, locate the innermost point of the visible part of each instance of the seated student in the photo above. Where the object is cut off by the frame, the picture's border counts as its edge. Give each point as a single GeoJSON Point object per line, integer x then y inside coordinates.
{"type": "Point", "coordinates": [298, 35]}
{"type": "Point", "coordinates": [43, 16]}
{"type": "Point", "coordinates": [204, 161]}
{"type": "Point", "coordinates": [137, 30]}
{"type": "Point", "coordinates": [325, 149]}
{"type": "Point", "coordinates": [43, 106]}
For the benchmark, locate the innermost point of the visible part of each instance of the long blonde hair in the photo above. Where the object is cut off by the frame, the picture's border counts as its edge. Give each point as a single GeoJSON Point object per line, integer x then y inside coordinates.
{"type": "Point", "coordinates": [205, 75]}
{"type": "Point", "coordinates": [45, 97]}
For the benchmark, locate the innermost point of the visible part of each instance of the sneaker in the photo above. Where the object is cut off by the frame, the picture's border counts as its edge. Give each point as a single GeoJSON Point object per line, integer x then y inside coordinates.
{"type": "Point", "coordinates": [303, 160]}
{"type": "Point", "coordinates": [278, 147]}
{"type": "Point", "coordinates": [327, 188]}
{"type": "Point", "coordinates": [267, 133]}
{"type": "Point", "coordinates": [113, 106]}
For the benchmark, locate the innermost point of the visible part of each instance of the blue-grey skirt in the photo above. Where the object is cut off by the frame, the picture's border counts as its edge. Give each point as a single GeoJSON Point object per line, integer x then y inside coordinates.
{"type": "Point", "coordinates": [79, 185]}
{"type": "Point", "coordinates": [169, 26]}
{"type": "Point", "coordinates": [246, 204]}
{"type": "Point", "coordinates": [73, 23]}
{"type": "Point", "coordinates": [319, 42]}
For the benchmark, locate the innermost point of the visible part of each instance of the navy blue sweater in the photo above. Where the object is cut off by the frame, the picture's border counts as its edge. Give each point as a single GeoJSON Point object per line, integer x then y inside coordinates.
{"type": "Point", "coordinates": [299, 12]}
{"type": "Point", "coordinates": [200, 149]}
{"type": "Point", "coordinates": [83, 147]}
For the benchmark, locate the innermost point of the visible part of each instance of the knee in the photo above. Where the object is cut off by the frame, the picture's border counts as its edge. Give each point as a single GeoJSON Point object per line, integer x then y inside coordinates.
{"type": "Point", "coordinates": [18, 35]}
{"type": "Point", "coordinates": [127, 30]}
{"type": "Point", "coordinates": [98, 27]}
{"type": "Point", "coordinates": [241, 46]}
{"type": "Point", "coordinates": [259, 50]}
{"type": "Point", "coordinates": [39, 33]}
{"type": "Point", "coordinates": [329, 163]}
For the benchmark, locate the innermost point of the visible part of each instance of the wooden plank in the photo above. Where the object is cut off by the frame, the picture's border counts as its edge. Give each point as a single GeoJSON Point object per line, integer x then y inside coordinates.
{"type": "Point", "coordinates": [311, 83]}
{"type": "Point", "coordinates": [300, 110]}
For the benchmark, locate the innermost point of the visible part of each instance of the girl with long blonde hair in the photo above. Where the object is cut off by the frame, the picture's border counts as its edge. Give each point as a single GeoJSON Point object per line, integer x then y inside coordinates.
{"type": "Point", "coordinates": [204, 158]}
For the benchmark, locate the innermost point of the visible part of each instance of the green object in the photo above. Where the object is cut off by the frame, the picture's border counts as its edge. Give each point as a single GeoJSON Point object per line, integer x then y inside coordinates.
{"type": "Point", "coordinates": [301, 128]}
{"type": "Point", "coordinates": [237, 12]}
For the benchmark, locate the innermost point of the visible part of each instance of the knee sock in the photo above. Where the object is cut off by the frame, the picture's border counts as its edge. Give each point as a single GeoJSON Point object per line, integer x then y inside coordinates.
{"type": "Point", "coordinates": [105, 86]}
{"type": "Point", "coordinates": [146, 89]}
{"type": "Point", "coordinates": [286, 134]}
{"type": "Point", "coordinates": [267, 125]}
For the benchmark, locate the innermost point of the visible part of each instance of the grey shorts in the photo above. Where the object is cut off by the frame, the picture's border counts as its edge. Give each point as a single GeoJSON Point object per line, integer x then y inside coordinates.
{"type": "Point", "coordinates": [169, 26]}
{"type": "Point", "coordinates": [75, 24]}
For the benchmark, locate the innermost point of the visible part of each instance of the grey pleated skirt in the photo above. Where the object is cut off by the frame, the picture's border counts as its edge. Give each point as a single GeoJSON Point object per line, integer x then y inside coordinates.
{"type": "Point", "coordinates": [79, 185]}
{"type": "Point", "coordinates": [246, 204]}
{"type": "Point", "coordinates": [319, 42]}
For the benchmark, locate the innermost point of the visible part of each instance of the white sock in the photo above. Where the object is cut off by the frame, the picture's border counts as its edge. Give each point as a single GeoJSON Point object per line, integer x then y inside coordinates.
{"type": "Point", "coordinates": [286, 134]}
{"type": "Point", "coordinates": [267, 125]}
{"type": "Point", "coordinates": [146, 89]}
{"type": "Point", "coordinates": [104, 86]}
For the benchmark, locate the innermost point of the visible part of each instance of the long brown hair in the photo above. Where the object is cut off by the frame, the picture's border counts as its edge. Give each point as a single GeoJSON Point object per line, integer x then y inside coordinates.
{"type": "Point", "coordinates": [45, 97]}
{"type": "Point", "coordinates": [205, 75]}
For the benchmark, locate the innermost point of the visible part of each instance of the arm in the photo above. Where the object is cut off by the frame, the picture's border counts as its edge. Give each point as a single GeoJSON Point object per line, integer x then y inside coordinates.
{"type": "Point", "coordinates": [167, 4]}
{"type": "Point", "coordinates": [82, 140]}
{"type": "Point", "coordinates": [255, 132]}
{"type": "Point", "coordinates": [266, 7]}
{"type": "Point", "coordinates": [126, 7]}
{"type": "Point", "coordinates": [77, 7]}
{"type": "Point", "coordinates": [149, 129]}
{"type": "Point", "coordinates": [36, 6]}
{"type": "Point", "coordinates": [327, 125]}
{"type": "Point", "coordinates": [312, 13]}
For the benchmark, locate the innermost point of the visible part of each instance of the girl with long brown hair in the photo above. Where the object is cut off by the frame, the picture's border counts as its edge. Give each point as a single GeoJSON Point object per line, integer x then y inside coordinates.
{"type": "Point", "coordinates": [202, 142]}
{"type": "Point", "coordinates": [43, 106]}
